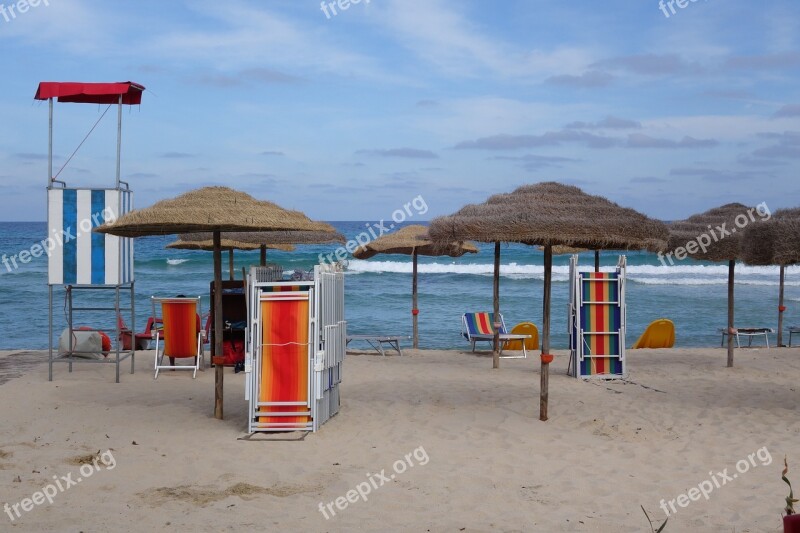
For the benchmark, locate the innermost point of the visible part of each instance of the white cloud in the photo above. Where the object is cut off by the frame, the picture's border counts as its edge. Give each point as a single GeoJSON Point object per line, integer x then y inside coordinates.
{"type": "Point", "coordinates": [72, 26]}
{"type": "Point", "coordinates": [446, 37]}
{"type": "Point", "coordinates": [241, 35]}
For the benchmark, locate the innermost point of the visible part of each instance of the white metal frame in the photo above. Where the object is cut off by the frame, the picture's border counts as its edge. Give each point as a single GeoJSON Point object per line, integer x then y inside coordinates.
{"type": "Point", "coordinates": [120, 355]}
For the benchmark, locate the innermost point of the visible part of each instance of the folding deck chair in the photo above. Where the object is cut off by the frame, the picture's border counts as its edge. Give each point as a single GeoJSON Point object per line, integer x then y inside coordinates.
{"type": "Point", "coordinates": [378, 342]}
{"type": "Point", "coordinates": [597, 322]}
{"type": "Point", "coordinates": [749, 333]}
{"type": "Point", "coordinates": [659, 334]}
{"type": "Point", "coordinates": [181, 333]}
{"type": "Point", "coordinates": [142, 339]}
{"type": "Point", "coordinates": [478, 327]}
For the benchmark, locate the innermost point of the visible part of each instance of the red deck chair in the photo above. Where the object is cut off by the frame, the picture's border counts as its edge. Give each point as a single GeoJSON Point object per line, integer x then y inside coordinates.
{"type": "Point", "coordinates": [142, 339]}
{"type": "Point", "coordinates": [181, 333]}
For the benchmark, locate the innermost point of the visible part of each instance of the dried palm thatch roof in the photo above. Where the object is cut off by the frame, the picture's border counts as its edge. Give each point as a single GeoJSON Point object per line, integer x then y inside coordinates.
{"type": "Point", "coordinates": [409, 239]}
{"type": "Point", "coordinates": [552, 214]}
{"type": "Point", "coordinates": [227, 244]}
{"type": "Point", "coordinates": [564, 250]}
{"type": "Point", "coordinates": [210, 209]}
{"type": "Point", "coordinates": [775, 241]}
{"type": "Point", "coordinates": [273, 237]}
{"type": "Point", "coordinates": [715, 235]}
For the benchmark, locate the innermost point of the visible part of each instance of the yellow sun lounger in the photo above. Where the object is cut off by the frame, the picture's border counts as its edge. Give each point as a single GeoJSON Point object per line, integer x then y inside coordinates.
{"type": "Point", "coordinates": [659, 334]}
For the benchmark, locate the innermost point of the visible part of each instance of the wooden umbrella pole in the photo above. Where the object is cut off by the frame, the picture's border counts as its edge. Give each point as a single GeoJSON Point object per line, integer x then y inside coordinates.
{"type": "Point", "coordinates": [781, 307]}
{"type": "Point", "coordinates": [414, 310]}
{"type": "Point", "coordinates": [597, 260]}
{"type": "Point", "coordinates": [230, 263]}
{"type": "Point", "coordinates": [263, 255]}
{"type": "Point", "coordinates": [545, 371]}
{"type": "Point", "coordinates": [731, 268]}
{"type": "Point", "coordinates": [496, 308]}
{"type": "Point", "coordinates": [218, 368]}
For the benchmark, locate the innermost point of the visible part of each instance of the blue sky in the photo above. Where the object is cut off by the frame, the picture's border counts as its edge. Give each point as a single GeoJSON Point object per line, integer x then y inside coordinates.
{"type": "Point", "coordinates": [350, 116]}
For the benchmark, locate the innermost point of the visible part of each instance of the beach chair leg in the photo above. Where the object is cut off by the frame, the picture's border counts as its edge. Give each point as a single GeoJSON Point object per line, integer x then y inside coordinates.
{"type": "Point", "coordinates": [378, 347]}
{"type": "Point", "coordinates": [473, 346]}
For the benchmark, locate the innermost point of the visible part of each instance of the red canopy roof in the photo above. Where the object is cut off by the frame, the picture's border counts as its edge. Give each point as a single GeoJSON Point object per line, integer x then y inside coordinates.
{"type": "Point", "coordinates": [91, 93]}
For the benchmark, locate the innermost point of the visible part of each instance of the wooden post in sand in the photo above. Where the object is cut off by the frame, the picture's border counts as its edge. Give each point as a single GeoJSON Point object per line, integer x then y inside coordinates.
{"type": "Point", "coordinates": [597, 260]}
{"type": "Point", "coordinates": [414, 309]}
{"type": "Point", "coordinates": [731, 335]}
{"type": "Point", "coordinates": [781, 307]}
{"type": "Point", "coordinates": [263, 255]}
{"type": "Point", "coordinates": [230, 263]}
{"type": "Point", "coordinates": [496, 308]}
{"type": "Point", "coordinates": [546, 357]}
{"type": "Point", "coordinates": [219, 369]}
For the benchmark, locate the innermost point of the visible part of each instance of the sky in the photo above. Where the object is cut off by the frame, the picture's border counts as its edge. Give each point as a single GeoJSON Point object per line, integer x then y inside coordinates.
{"type": "Point", "coordinates": [348, 113]}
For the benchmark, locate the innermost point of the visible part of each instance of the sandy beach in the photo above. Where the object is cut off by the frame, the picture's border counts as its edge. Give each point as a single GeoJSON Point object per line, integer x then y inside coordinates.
{"type": "Point", "coordinates": [472, 454]}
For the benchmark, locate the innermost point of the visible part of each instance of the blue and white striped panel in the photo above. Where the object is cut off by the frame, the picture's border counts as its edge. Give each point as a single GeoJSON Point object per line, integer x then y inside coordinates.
{"type": "Point", "coordinates": [77, 255]}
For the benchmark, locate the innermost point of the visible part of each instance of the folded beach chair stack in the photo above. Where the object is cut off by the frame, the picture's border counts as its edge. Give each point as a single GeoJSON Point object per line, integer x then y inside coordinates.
{"type": "Point", "coordinates": [597, 322]}
{"type": "Point", "coordinates": [296, 345]}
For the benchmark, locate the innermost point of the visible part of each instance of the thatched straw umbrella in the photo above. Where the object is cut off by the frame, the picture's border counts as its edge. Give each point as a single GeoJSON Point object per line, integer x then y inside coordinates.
{"type": "Point", "coordinates": [413, 240]}
{"type": "Point", "coordinates": [716, 236]}
{"type": "Point", "coordinates": [550, 214]}
{"type": "Point", "coordinates": [263, 239]}
{"type": "Point", "coordinates": [229, 245]}
{"type": "Point", "coordinates": [775, 242]}
{"type": "Point", "coordinates": [214, 209]}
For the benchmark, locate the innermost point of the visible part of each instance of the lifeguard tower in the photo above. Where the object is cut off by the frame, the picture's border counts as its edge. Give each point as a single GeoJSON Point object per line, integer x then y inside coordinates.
{"type": "Point", "coordinates": [81, 261]}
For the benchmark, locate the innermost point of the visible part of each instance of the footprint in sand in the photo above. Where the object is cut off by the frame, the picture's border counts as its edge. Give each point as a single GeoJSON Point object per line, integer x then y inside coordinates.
{"type": "Point", "coordinates": [202, 496]}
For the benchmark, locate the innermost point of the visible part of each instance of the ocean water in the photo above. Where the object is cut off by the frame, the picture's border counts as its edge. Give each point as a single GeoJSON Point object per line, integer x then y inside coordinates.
{"type": "Point", "coordinates": [378, 291]}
